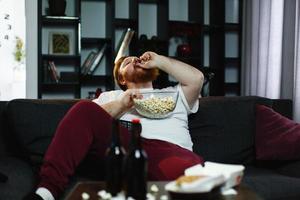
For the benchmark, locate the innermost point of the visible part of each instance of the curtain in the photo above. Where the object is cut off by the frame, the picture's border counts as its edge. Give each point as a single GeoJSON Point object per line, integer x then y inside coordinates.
{"type": "Point", "coordinates": [271, 50]}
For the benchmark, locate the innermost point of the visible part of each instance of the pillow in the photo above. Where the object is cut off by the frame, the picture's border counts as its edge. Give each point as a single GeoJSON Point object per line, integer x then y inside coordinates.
{"type": "Point", "coordinates": [277, 137]}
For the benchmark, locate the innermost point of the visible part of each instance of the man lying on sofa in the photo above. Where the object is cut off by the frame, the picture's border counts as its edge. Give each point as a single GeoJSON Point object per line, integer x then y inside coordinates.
{"type": "Point", "coordinates": [86, 127]}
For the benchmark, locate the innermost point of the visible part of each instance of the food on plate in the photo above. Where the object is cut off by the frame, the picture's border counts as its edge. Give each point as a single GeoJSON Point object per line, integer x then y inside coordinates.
{"type": "Point", "coordinates": [187, 179]}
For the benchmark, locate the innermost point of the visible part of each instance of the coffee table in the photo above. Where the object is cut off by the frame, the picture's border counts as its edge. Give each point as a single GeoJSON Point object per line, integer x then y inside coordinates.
{"type": "Point", "coordinates": [92, 187]}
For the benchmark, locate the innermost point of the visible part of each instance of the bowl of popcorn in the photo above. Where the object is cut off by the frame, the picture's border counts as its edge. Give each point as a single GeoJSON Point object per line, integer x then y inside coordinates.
{"type": "Point", "coordinates": [156, 104]}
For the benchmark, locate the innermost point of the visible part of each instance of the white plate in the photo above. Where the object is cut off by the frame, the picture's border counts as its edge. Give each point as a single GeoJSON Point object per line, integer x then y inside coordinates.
{"type": "Point", "coordinates": [233, 173]}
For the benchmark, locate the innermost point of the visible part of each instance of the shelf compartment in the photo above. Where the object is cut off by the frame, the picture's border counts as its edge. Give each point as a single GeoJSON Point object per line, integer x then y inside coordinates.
{"type": "Point", "coordinates": [60, 20]}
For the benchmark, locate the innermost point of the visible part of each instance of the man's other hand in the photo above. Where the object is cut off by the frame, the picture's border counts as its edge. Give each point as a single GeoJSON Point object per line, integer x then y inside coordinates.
{"type": "Point", "coordinates": [126, 99]}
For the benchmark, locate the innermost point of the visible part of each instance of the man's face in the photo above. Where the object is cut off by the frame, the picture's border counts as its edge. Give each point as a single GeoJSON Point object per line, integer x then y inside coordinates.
{"type": "Point", "coordinates": [131, 72]}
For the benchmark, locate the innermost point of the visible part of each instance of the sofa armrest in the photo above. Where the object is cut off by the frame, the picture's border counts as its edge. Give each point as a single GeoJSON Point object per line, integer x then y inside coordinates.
{"type": "Point", "coordinates": [290, 169]}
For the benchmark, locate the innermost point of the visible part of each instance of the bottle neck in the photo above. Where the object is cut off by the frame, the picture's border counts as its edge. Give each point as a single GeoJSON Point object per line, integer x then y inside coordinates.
{"type": "Point", "coordinates": [136, 136]}
{"type": "Point", "coordinates": [115, 134]}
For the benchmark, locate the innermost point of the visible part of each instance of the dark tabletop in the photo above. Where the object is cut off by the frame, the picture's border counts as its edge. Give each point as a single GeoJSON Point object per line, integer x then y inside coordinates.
{"type": "Point", "coordinates": [92, 188]}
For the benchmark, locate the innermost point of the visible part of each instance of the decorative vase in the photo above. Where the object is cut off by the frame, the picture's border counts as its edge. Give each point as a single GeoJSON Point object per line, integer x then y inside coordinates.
{"type": "Point", "coordinates": [57, 7]}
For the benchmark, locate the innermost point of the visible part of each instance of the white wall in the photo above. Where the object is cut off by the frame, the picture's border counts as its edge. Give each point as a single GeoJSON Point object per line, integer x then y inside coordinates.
{"type": "Point", "coordinates": [31, 48]}
{"type": "Point", "coordinates": [12, 39]}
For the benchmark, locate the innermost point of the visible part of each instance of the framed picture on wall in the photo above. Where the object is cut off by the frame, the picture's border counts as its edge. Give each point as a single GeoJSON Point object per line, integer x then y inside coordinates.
{"type": "Point", "coordinates": [61, 43]}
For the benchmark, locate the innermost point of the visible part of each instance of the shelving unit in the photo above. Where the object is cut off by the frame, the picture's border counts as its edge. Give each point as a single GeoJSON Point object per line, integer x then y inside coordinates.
{"type": "Point", "coordinates": [71, 62]}
{"type": "Point", "coordinates": [204, 25]}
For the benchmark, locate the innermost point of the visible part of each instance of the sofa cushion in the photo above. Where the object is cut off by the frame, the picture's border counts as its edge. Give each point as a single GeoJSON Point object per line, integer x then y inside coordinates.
{"type": "Point", "coordinates": [290, 169]}
{"type": "Point", "coordinates": [33, 122]}
{"type": "Point", "coordinates": [277, 137]}
{"type": "Point", "coordinates": [223, 128]}
{"type": "Point", "coordinates": [270, 185]}
{"type": "Point", "coordinates": [21, 178]}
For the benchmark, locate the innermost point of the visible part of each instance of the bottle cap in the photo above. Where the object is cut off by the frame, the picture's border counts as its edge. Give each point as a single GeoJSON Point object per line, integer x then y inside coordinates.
{"type": "Point", "coordinates": [135, 121]}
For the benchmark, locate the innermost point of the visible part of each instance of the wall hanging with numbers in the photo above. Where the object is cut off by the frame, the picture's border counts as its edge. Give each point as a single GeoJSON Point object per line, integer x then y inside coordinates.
{"type": "Point", "coordinates": [5, 26]}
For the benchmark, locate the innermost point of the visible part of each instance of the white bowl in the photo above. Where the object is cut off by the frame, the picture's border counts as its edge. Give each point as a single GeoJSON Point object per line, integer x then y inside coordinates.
{"type": "Point", "coordinates": [156, 104]}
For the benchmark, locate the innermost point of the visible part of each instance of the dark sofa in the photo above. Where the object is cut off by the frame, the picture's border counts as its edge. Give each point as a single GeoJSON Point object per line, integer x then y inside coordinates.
{"type": "Point", "coordinates": [223, 130]}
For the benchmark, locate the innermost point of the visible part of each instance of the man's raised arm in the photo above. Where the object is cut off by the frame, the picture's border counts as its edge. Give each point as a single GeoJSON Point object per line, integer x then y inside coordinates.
{"type": "Point", "coordinates": [190, 78]}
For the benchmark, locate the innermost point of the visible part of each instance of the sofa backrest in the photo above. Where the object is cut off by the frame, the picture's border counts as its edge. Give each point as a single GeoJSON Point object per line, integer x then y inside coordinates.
{"type": "Point", "coordinates": [33, 123]}
{"type": "Point", "coordinates": [223, 129]}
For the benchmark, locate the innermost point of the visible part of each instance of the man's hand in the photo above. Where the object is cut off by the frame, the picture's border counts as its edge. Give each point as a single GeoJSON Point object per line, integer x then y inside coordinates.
{"type": "Point", "coordinates": [122, 104]}
{"type": "Point", "coordinates": [150, 60]}
{"type": "Point", "coordinates": [126, 99]}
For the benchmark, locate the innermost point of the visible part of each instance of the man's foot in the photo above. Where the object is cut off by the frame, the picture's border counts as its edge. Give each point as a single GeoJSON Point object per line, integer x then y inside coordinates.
{"type": "Point", "coordinates": [32, 196]}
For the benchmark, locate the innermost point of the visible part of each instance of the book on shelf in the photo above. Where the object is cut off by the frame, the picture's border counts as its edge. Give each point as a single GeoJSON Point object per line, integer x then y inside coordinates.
{"type": "Point", "coordinates": [88, 62]}
{"type": "Point", "coordinates": [53, 71]}
{"type": "Point", "coordinates": [97, 59]}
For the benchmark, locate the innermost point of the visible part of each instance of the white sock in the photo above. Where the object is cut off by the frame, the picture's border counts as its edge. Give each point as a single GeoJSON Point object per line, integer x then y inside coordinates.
{"type": "Point", "coordinates": [44, 193]}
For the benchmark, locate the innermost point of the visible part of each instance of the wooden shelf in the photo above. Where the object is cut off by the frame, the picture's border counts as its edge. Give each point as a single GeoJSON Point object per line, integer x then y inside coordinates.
{"type": "Point", "coordinates": [232, 61]}
{"type": "Point", "coordinates": [60, 86]}
{"type": "Point", "coordinates": [94, 41]}
{"type": "Point", "coordinates": [60, 57]}
{"type": "Point", "coordinates": [149, 1]}
{"type": "Point", "coordinates": [94, 79]}
{"type": "Point", "coordinates": [186, 58]}
{"type": "Point", "coordinates": [125, 23]}
{"type": "Point", "coordinates": [96, 0]}
{"type": "Point", "coordinates": [232, 27]}
{"type": "Point", "coordinates": [60, 20]}
{"type": "Point", "coordinates": [232, 86]}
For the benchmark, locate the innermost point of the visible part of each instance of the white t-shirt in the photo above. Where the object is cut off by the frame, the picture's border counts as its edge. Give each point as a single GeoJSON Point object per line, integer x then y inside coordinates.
{"type": "Point", "coordinates": [173, 129]}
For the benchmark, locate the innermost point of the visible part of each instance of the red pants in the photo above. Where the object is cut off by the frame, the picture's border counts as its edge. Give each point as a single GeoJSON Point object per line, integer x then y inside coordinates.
{"type": "Point", "coordinates": [84, 130]}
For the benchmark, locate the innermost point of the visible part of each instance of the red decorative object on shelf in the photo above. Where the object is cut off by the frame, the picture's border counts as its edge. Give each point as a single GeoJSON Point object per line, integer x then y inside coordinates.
{"type": "Point", "coordinates": [184, 50]}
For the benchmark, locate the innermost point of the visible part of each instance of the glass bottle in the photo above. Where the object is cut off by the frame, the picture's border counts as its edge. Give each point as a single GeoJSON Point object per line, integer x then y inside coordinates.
{"type": "Point", "coordinates": [136, 165]}
{"type": "Point", "coordinates": [114, 161]}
